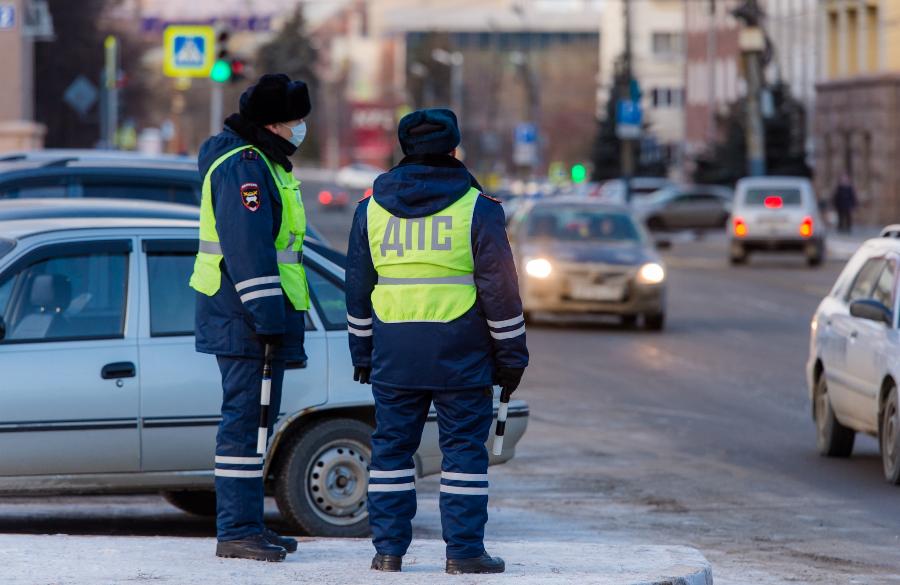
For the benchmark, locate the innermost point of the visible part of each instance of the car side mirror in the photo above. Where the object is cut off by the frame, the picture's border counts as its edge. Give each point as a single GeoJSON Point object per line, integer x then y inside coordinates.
{"type": "Point", "coordinates": [663, 244]}
{"type": "Point", "coordinates": [872, 310]}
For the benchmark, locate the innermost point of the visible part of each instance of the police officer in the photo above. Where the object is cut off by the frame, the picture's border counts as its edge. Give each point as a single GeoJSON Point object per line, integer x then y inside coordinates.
{"type": "Point", "coordinates": [252, 292]}
{"type": "Point", "coordinates": [434, 315]}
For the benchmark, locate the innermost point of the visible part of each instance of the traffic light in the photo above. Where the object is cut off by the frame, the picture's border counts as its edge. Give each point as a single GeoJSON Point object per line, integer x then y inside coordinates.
{"type": "Point", "coordinates": [579, 173]}
{"type": "Point", "coordinates": [226, 68]}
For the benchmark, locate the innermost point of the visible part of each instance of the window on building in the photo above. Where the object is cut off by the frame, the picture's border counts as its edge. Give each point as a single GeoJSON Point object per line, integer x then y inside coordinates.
{"type": "Point", "coordinates": [667, 97]}
{"type": "Point", "coordinates": [666, 44]}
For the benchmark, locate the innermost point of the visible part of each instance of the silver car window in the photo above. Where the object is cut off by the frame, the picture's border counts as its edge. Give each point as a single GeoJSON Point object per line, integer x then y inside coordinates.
{"type": "Point", "coordinates": [865, 280]}
{"type": "Point", "coordinates": [171, 299]}
{"type": "Point", "coordinates": [67, 298]}
{"type": "Point", "coordinates": [329, 299]}
{"type": "Point", "coordinates": [884, 288]}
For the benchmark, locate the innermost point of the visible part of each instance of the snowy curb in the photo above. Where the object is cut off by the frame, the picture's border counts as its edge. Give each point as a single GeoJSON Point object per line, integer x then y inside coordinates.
{"type": "Point", "coordinates": [83, 560]}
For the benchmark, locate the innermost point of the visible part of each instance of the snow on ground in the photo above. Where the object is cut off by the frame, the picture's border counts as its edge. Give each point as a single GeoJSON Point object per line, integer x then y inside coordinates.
{"type": "Point", "coordinates": [102, 560]}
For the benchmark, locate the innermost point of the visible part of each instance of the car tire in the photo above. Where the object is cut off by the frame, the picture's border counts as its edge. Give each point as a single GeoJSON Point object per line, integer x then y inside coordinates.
{"type": "Point", "coordinates": [738, 255]}
{"type": "Point", "coordinates": [629, 321]}
{"type": "Point", "coordinates": [654, 321]}
{"type": "Point", "coordinates": [832, 438]}
{"type": "Point", "coordinates": [199, 503]}
{"type": "Point", "coordinates": [656, 224]}
{"type": "Point", "coordinates": [889, 437]}
{"type": "Point", "coordinates": [322, 479]}
{"type": "Point", "coordinates": [816, 258]}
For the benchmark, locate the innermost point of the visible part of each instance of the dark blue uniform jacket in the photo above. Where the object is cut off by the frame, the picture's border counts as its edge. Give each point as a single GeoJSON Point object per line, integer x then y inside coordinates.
{"type": "Point", "coordinates": [458, 355]}
{"type": "Point", "coordinates": [225, 325]}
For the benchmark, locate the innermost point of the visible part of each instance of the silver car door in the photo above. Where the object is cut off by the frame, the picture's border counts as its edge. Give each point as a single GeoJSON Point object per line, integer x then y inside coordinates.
{"type": "Point", "coordinates": [844, 377]}
{"type": "Point", "coordinates": [69, 390]}
{"type": "Point", "coordinates": [180, 391]}
{"type": "Point", "coordinates": [867, 355]}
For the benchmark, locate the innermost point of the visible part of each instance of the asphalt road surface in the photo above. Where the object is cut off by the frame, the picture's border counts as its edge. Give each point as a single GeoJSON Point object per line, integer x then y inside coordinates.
{"type": "Point", "coordinates": [699, 435]}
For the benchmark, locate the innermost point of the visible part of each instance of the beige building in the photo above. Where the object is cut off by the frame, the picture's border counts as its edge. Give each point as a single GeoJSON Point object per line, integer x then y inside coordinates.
{"type": "Point", "coordinates": [857, 121]}
{"type": "Point", "coordinates": [657, 47]}
{"type": "Point", "coordinates": [21, 22]}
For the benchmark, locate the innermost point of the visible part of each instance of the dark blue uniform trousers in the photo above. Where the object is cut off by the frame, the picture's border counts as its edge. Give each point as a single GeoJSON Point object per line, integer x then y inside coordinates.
{"type": "Point", "coordinates": [464, 423]}
{"type": "Point", "coordinates": [239, 469]}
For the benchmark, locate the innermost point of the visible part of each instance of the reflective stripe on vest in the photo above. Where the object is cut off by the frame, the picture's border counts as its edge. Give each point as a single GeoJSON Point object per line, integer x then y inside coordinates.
{"type": "Point", "coordinates": [425, 266]}
{"type": "Point", "coordinates": [207, 276]}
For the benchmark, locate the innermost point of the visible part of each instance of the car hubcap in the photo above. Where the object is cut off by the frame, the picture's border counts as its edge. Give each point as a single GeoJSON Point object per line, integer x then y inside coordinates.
{"type": "Point", "coordinates": [337, 482]}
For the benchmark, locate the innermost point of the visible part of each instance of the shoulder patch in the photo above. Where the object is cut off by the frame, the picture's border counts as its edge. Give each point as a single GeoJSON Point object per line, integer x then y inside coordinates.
{"type": "Point", "coordinates": [249, 154]}
{"type": "Point", "coordinates": [492, 198]}
{"type": "Point", "coordinates": [250, 196]}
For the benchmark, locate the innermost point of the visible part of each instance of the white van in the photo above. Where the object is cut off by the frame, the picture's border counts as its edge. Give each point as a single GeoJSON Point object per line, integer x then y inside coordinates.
{"type": "Point", "coordinates": [776, 214]}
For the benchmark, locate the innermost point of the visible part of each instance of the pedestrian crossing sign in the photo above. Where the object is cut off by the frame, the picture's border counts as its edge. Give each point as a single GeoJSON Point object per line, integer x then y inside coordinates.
{"type": "Point", "coordinates": [188, 50]}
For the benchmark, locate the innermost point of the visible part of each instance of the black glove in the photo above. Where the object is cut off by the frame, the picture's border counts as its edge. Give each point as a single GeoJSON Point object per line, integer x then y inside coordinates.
{"type": "Point", "coordinates": [509, 378]}
{"type": "Point", "coordinates": [274, 339]}
{"type": "Point", "coordinates": [361, 374]}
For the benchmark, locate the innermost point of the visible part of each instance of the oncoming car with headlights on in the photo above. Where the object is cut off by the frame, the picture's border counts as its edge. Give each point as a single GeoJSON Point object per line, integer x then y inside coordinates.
{"type": "Point", "coordinates": [583, 256]}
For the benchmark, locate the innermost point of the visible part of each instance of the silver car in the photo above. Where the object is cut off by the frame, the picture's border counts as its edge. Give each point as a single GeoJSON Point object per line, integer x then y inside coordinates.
{"type": "Point", "coordinates": [102, 391]}
{"type": "Point", "coordinates": [853, 369]}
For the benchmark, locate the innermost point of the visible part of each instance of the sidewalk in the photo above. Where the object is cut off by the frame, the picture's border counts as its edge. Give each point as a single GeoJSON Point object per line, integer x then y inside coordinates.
{"type": "Point", "coordinates": [106, 560]}
{"type": "Point", "coordinates": [843, 246]}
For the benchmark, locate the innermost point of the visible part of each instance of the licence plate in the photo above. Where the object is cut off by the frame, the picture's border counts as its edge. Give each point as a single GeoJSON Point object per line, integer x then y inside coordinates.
{"type": "Point", "coordinates": [598, 292]}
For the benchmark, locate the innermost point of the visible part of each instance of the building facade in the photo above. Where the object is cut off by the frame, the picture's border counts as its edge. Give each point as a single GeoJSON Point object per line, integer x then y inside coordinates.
{"type": "Point", "coordinates": [857, 117]}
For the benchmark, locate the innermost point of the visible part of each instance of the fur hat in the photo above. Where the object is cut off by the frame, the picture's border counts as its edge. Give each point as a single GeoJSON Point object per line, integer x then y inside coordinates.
{"type": "Point", "coordinates": [275, 98]}
{"type": "Point", "coordinates": [432, 131]}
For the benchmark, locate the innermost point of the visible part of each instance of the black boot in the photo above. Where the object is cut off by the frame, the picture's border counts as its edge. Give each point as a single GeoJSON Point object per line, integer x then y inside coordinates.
{"type": "Point", "coordinates": [287, 543]}
{"type": "Point", "coordinates": [254, 547]}
{"type": "Point", "coordinates": [483, 564]}
{"type": "Point", "coordinates": [387, 563]}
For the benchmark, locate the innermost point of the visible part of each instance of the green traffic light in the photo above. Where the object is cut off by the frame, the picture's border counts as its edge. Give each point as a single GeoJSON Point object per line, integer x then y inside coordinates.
{"type": "Point", "coordinates": [579, 173]}
{"type": "Point", "coordinates": [221, 71]}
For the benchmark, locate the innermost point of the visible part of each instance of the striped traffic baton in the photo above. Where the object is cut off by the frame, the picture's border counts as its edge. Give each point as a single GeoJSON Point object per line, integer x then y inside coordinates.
{"type": "Point", "coordinates": [265, 396]}
{"type": "Point", "coordinates": [501, 421]}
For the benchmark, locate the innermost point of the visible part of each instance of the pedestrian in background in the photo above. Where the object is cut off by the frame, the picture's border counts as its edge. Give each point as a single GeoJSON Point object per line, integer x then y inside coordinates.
{"type": "Point", "coordinates": [252, 292]}
{"type": "Point", "coordinates": [844, 200]}
{"type": "Point", "coordinates": [434, 316]}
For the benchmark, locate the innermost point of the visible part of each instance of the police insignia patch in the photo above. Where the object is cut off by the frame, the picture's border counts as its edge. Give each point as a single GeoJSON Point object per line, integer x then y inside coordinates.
{"type": "Point", "coordinates": [250, 196]}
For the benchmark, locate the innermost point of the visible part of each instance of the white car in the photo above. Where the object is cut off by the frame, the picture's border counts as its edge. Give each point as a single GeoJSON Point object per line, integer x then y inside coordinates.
{"type": "Point", "coordinates": [854, 355]}
{"type": "Point", "coordinates": [357, 176]}
{"type": "Point", "coordinates": [101, 389]}
{"type": "Point", "coordinates": [776, 214]}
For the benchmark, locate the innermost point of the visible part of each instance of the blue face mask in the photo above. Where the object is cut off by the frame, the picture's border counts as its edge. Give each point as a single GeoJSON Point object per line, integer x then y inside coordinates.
{"type": "Point", "coordinates": [298, 133]}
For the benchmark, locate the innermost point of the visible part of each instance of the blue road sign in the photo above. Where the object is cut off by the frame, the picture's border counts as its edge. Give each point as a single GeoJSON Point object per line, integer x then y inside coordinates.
{"type": "Point", "coordinates": [629, 117]}
{"type": "Point", "coordinates": [7, 16]}
{"type": "Point", "coordinates": [188, 51]}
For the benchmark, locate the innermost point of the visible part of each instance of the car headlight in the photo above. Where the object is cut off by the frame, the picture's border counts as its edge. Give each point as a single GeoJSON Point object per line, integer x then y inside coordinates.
{"type": "Point", "coordinates": [538, 267]}
{"type": "Point", "coordinates": [651, 273]}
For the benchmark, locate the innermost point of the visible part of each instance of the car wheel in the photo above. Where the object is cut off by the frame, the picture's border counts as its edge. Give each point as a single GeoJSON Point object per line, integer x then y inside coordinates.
{"type": "Point", "coordinates": [738, 255]}
{"type": "Point", "coordinates": [815, 258]}
{"type": "Point", "coordinates": [654, 321]}
{"type": "Point", "coordinates": [629, 320]}
{"type": "Point", "coordinates": [890, 438]}
{"type": "Point", "coordinates": [322, 481]}
{"type": "Point", "coordinates": [655, 224]}
{"type": "Point", "coordinates": [832, 438]}
{"type": "Point", "coordinates": [200, 503]}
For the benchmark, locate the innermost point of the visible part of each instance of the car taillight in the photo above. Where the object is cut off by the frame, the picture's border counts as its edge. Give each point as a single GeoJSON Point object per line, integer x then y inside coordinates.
{"type": "Point", "coordinates": [325, 197]}
{"type": "Point", "coordinates": [740, 227]}
{"type": "Point", "coordinates": [773, 202]}
{"type": "Point", "coordinates": [806, 227]}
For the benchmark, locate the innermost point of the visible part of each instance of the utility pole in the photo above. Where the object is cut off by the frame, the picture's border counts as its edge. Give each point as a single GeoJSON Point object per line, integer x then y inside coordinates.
{"type": "Point", "coordinates": [111, 91]}
{"type": "Point", "coordinates": [711, 50]}
{"type": "Point", "coordinates": [628, 165]}
{"type": "Point", "coordinates": [752, 42]}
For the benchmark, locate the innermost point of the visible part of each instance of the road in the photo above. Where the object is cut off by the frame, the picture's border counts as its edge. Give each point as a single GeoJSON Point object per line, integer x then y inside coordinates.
{"type": "Point", "coordinates": [699, 435]}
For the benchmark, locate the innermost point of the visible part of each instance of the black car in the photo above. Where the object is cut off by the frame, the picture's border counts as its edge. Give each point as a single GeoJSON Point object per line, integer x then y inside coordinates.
{"type": "Point", "coordinates": [99, 174]}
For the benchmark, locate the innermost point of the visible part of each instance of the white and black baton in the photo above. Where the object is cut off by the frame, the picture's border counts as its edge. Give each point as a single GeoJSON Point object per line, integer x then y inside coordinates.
{"type": "Point", "coordinates": [501, 421]}
{"type": "Point", "coordinates": [265, 396]}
